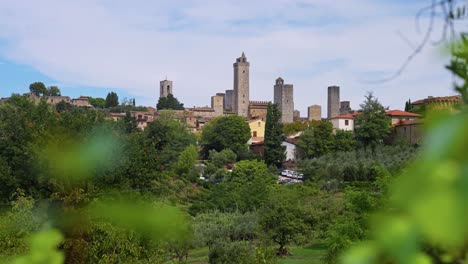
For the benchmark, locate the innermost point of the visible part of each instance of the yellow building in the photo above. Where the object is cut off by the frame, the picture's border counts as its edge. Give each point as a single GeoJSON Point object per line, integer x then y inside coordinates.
{"type": "Point", "coordinates": [257, 129]}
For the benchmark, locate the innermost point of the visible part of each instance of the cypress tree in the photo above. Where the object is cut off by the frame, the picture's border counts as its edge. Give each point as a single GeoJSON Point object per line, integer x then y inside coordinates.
{"type": "Point", "coordinates": [274, 151]}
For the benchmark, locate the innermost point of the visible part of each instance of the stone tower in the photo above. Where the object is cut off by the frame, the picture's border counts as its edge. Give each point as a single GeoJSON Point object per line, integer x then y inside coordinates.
{"type": "Point", "coordinates": [217, 104]}
{"type": "Point", "coordinates": [333, 101]}
{"type": "Point", "coordinates": [314, 112]}
{"type": "Point", "coordinates": [229, 100]}
{"type": "Point", "coordinates": [165, 88]}
{"type": "Point", "coordinates": [283, 97]}
{"type": "Point", "coordinates": [241, 86]}
{"type": "Point", "coordinates": [345, 107]}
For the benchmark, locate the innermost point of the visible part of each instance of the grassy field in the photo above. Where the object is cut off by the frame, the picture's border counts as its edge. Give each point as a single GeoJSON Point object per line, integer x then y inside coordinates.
{"type": "Point", "coordinates": [300, 255]}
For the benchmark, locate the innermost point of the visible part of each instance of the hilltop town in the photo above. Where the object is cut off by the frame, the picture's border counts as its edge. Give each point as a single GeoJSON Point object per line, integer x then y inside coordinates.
{"type": "Point", "coordinates": [237, 102]}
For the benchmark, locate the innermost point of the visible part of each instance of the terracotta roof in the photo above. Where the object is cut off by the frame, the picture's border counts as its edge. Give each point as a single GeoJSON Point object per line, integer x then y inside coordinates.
{"type": "Point", "coordinates": [453, 98]}
{"type": "Point", "coordinates": [401, 113]}
{"type": "Point", "coordinates": [346, 116]}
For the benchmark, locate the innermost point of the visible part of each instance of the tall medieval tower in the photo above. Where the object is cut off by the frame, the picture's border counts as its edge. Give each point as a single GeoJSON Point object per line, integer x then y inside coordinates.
{"type": "Point", "coordinates": [165, 88]}
{"type": "Point", "coordinates": [241, 86]}
{"type": "Point", "coordinates": [333, 107]}
{"type": "Point", "coordinates": [284, 98]}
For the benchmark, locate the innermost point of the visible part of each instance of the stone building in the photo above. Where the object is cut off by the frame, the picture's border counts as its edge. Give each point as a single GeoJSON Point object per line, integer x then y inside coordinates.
{"type": "Point", "coordinates": [229, 100]}
{"type": "Point", "coordinates": [82, 101]}
{"type": "Point", "coordinates": [314, 112]}
{"type": "Point", "coordinates": [296, 115]}
{"type": "Point", "coordinates": [241, 86]}
{"type": "Point", "coordinates": [407, 130]}
{"type": "Point", "coordinates": [333, 107]}
{"type": "Point", "coordinates": [436, 103]}
{"type": "Point", "coordinates": [165, 88]}
{"type": "Point", "coordinates": [283, 97]}
{"type": "Point", "coordinates": [57, 99]}
{"type": "Point", "coordinates": [345, 107]}
{"type": "Point", "coordinates": [258, 110]}
{"type": "Point", "coordinates": [217, 104]}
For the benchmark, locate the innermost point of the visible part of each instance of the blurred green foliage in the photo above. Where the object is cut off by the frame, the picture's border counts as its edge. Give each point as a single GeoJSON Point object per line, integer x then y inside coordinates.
{"type": "Point", "coordinates": [428, 220]}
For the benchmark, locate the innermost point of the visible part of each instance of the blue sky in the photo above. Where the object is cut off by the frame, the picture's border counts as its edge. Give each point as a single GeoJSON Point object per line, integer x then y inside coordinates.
{"type": "Point", "coordinates": [92, 47]}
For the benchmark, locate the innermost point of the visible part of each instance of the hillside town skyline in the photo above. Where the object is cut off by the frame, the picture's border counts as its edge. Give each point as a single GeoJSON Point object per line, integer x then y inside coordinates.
{"type": "Point", "coordinates": [295, 42]}
{"type": "Point", "coordinates": [228, 104]}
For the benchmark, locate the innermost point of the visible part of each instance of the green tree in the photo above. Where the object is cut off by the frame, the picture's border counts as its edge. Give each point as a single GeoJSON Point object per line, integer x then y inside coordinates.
{"type": "Point", "coordinates": [112, 100]}
{"type": "Point", "coordinates": [372, 126]}
{"type": "Point", "coordinates": [283, 220]}
{"type": "Point", "coordinates": [317, 141]}
{"type": "Point", "coordinates": [294, 127]}
{"type": "Point", "coordinates": [408, 106]}
{"type": "Point", "coordinates": [228, 132]}
{"type": "Point", "coordinates": [97, 102]}
{"type": "Point", "coordinates": [274, 151]}
{"type": "Point", "coordinates": [63, 106]}
{"type": "Point", "coordinates": [130, 123]}
{"type": "Point", "coordinates": [245, 189]}
{"type": "Point", "coordinates": [54, 91]}
{"type": "Point", "coordinates": [186, 162]}
{"type": "Point", "coordinates": [344, 140]}
{"type": "Point", "coordinates": [38, 88]}
{"type": "Point", "coordinates": [169, 103]}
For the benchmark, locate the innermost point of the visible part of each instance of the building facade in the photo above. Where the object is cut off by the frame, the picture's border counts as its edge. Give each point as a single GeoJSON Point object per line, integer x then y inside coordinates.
{"type": "Point", "coordinates": [241, 86]}
{"type": "Point", "coordinates": [258, 110]}
{"type": "Point", "coordinates": [333, 107]}
{"type": "Point", "coordinates": [343, 122]}
{"type": "Point", "coordinates": [284, 98]}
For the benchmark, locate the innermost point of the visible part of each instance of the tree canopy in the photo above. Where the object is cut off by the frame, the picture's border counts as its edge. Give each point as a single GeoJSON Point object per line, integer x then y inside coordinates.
{"type": "Point", "coordinates": [373, 125]}
{"type": "Point", "coordinates": [227, 132]}
{"type": "Point", "coordinates": [112, 100]}
{"type": "Point", "coordinates": [169, 103]}
{"type": "Point", "coordinates": [54, 91]}
{"type": "Point", "coordinates": [38, 89]}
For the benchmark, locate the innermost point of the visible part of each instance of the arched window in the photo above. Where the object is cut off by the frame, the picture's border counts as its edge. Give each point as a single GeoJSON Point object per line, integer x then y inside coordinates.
{"type": "Point", "coordinates": [168, 89]}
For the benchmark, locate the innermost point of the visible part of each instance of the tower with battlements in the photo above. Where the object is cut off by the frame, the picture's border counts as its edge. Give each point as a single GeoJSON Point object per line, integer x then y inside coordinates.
{"type": "Point", "coordinates": [283, 97]}
{"type": "Point", "coordinates": [165, 88]}
{"type": "Point", "coordinates": [241, 86]}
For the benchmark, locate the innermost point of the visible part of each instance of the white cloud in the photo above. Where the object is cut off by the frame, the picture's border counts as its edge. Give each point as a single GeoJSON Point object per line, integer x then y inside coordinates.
{"type": "Point", "coordinates": [311, 43]}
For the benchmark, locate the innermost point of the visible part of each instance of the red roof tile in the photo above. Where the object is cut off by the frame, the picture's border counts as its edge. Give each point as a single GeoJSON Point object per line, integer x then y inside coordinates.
{"type": "Point", "coordinates": [401, 113]}
{"type": "Point", "coordinates": [347, 116]}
